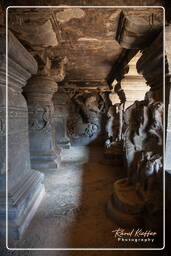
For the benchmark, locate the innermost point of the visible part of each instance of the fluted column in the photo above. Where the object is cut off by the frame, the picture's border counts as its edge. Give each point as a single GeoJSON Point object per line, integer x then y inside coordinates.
{"type": "Point", "coordinates": [25, 186]}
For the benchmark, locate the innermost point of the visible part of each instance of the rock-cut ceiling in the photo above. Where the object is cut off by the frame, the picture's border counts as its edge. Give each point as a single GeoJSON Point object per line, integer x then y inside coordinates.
{"type": "Point", "coordinates": [86, 36]}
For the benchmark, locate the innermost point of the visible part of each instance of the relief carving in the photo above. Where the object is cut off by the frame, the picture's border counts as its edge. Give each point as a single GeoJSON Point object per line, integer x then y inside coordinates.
{"type": "Point", "coordinates": [85, 117]}
{"type": "Point", "coordinates": [114, 124]}
{"type": "Point", "coordinates": [143, 138]}
{"type": "Point", "coordinates": [149, 166]}
{"type": "Point", "coordinates": [2, 127]}
{"type": "Point", "coordinates": [40, 118]}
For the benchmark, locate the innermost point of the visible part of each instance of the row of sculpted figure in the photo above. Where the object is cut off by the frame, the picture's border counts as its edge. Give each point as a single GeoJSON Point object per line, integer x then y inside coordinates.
{"type": "Point", "coordinates": [143, 140]}
{"type": "Point", "coordinates": [140, 129]}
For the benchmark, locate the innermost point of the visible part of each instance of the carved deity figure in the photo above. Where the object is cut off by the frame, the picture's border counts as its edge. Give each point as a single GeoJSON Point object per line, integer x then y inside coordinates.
{"type": "Point", "coordinates": [114, 124]}
{"type": "Point", "coordinates": [87, 112]}
{"type": "Point", "coordinates": [156, 127]}
{"type": "Point", "coordinates": [135, 120]}
{"type": "Point", "coordinates": [143, 133]}
{"type": "Point", "coordinates": [40, 119]}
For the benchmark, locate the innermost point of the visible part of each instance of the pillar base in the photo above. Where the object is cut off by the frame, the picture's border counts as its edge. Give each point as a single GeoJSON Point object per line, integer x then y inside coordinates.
{"type": "Point", "coordinates": [64, 144]}
{"type": "Point", "coordinates": [124, 206]}
{"type": "Point", "coordinates": [23, 201]}
{"type": "Point", "coordinates": [45, 160]}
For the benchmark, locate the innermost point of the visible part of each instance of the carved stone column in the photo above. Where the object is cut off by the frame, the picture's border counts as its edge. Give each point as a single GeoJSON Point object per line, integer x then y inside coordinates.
{"type": "Point", "coordinates": [133, 84]}
{"type": "Point", "coordinates": [61, 104]}
{"type": "Point", "coordinates": [25, 186]}
{"type": "Point", "coordinates": [39, 92]}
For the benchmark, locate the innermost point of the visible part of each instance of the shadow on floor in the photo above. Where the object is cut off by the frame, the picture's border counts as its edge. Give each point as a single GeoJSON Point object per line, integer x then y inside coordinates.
{"type": "Point", "coordinates": [73, 211]}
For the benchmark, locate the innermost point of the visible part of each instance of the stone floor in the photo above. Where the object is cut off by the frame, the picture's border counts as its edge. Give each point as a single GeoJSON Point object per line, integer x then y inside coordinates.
{"type": "Point", "coordinates": [72, 213]}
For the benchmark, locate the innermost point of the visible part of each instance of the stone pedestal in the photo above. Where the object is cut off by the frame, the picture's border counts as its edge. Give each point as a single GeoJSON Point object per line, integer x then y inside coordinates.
{"type": "Point", "coordinates": [39, 92]}
{"type": "Point", "coordinates": [114, 154]}
{"type": "Point", "coordinates": [61, 104]}
{"type": "Point", "coordinates": [25, 186]}
{"type": "Point", "coordinates": [124, 206]}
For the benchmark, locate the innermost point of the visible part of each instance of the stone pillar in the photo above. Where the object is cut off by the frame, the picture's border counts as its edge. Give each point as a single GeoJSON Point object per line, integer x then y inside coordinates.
{"type": "Point", "coordinates": [39, 92]}
{"type": "Point", "coordinates": [133, 84]}
{"type": "Point", "coordinates": [168, 100]}
{"type": "Point", "coordinates": [25, 186]}
{"type": "Point", "coordinates": [61, 104]}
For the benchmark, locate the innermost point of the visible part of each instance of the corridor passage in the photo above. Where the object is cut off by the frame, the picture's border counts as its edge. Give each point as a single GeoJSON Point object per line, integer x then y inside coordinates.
{"type": "Point", "coordinates": [72, 213]}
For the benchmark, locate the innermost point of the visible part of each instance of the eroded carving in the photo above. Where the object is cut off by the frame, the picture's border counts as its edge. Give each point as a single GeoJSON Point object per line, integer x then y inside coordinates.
{"type": "Point", "coordinates": [149, 166]}
{"type": "Point", "coordinates": [114, 124]}
{"type": "Point", "coordinates": [143, 131]}
{"type": "Point", "coordinates": [85, 117]}
{"type": "Point", "coordinates": [40, 118]}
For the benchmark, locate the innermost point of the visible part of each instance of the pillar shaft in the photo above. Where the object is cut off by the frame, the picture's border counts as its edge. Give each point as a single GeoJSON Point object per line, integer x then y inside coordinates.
{"type": "Point", "coordinates": [39, 92]}
{"type": "Point", "coordinates": [25, 186]}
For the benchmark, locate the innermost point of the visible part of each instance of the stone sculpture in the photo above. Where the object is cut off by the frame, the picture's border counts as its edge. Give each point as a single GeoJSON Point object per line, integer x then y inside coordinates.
{"type": "Point", "coordinates": [148, 167]}
{"type": "Point", "coordinates": [141, 190]}
{"type": "Point", "coordinates": [114, 124]}
{"type": "Point", "coordinates": [85, 117]}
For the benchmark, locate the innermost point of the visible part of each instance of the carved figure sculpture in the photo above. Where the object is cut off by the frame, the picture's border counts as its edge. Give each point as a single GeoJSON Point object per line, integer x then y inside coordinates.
{"type": "Point", "coordinates": [40, 119]}
{"type": "Point", "coordinates": [142, 133]}
{"type": "Point", "coordinates": [156, 127]}
{"type": "Point", "coordinates": [148, 167]}
{"type": "Point", "coordinates": [135, 123]}
{"type": "Point", "coordinates": [85, 120]}
{"type": "Point", "coordinates": [114, 124]}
